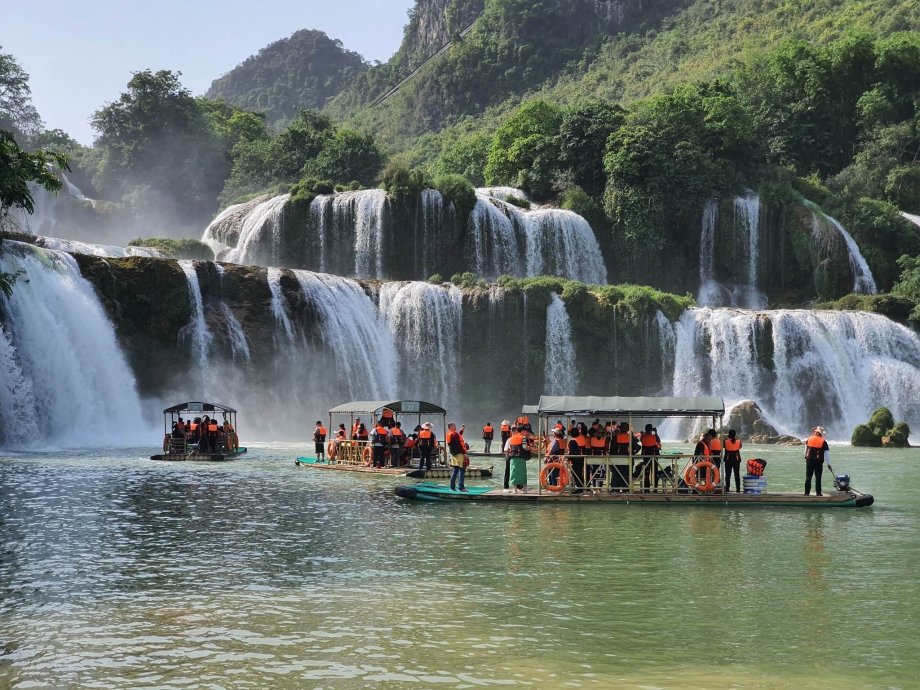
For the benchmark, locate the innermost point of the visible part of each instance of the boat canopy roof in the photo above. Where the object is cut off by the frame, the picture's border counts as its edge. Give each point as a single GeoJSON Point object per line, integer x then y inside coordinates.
{"type": "Point", "coordinates": [198, 407]}
{"type": "Point", "coordinates": [639, 406]}
{"type": "Point", "coordinates": [530, 409]}
{"type": "Point", "coordinates": [398, 406]}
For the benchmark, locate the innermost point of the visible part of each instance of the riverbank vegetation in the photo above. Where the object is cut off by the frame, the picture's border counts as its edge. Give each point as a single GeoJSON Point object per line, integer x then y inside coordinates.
{"type": "Point", "coordinates": [881, 430]}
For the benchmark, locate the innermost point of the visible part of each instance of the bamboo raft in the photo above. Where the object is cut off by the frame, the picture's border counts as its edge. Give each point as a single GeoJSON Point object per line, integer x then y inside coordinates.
{"type": "Point", "coordinates": [436, 472]}
{"type": "Point", "coordinates": [426, 491]}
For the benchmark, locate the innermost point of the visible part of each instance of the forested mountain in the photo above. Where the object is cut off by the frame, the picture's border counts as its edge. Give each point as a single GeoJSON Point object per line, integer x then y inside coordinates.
{"type": "Point", "coordinates": [301, 71]}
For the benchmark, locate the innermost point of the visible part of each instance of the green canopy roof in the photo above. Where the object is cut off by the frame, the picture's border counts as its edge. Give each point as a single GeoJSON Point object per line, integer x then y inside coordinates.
{"type": "Point", "coordinates": [617, 406]}
{"type": "Point", "coordinates": [398, 406]}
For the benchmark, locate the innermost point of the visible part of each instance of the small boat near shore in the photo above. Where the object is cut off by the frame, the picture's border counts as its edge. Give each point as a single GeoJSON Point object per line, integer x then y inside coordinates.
{"type": "Point", "coordinates": [355, 455]}
{"type": "Point", "coordinates": [185, 441]}
{"type": "Point", "coordinates": [629, 478]}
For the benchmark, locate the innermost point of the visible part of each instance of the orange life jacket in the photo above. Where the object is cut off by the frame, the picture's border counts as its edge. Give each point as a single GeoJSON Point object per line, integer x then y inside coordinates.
{"type": "Point", "coordinates": [212, 428]}
{"type": "Point", "coordinates": [410, 443]}
{"type": "Point", "coordinates": [193, 426]}
{"type": "Point", "coordinates": [649, 440]}
{"type": "Point", "coordinates": [387, 413]}
{"type": "Point", "coordinates": [517, 443]}
{"type": "Point", "coordinates": [732, 446]}
{"type": "Point", "coordinates": [488, 432]}
{"type": "Point", "coordinates": [598, 442]}
{"type": "Point", "coordinates": [706, 451]}
{"type": "Point", "coordinates": [815, 442]}
{"type": "Point", "coordinates": [715, 445]}
{"type": "Point", "coordinates": [426, 438]}
{"type": "Point", "coordinates": [559, 426]}
{"type": "Point", "coordinates": [397, 432]}
{"type": "Point", "coordinates": [506, 428]}
{"type": "Point", "coordinates": [560, 447]}
{"type": "Point", "coordinates": [623, 438]}
{"type": "Point", "coordinates": [581, 441]}
{"type": "Point", "coordinates": [322, 430]}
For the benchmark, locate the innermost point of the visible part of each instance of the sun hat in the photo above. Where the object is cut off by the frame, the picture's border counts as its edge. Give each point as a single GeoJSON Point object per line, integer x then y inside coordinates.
{"type": "Point", "coordinates": [819, 430]}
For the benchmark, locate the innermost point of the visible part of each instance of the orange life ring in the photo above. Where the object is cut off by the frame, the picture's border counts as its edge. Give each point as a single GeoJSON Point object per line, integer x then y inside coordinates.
{"type": "Point", "coordinates": [330, 449]}
{"type": "Point", "coordinates": [712, 477]}
{"type": "Point", "coordinates": [562, 481]}
{"type": "Point", "coordinates": [366, 456]}
{"type": "Point", "coordinates": [166, 443]}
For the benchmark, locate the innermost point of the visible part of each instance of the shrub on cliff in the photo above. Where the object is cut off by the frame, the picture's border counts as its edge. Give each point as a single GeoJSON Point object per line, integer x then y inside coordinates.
{"type": "Point", "coordinates": [881, 430]}
{"type": "Point", "coordinates": [176, 249]}
{"type": "Point", "coordinates": [457, 190]}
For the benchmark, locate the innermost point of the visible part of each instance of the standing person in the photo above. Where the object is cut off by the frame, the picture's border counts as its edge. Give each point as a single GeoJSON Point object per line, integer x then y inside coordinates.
{"type": "Point", "coordinates": [354, 428]}
{"type": "Point", "coordinates": [815, 452]}
{"type": "Point", "coordinates": [397, 440]}
{"type": "Point", "coordinates": [651, 448]}
{"type": "Point", "coordinates": [519, 452]}
{"type": "Point", "coordinates": [362, 434]}
{"type": "Point", "coordinates": [622, 439]}
{"type": "Point", "coordinates": [488, 433]}
{"type": "Point", "coordinates": [555, 452]}
{"type": "Point", "coordinates": [733, 460]}
{"type": "Point", "coordinates": [426, 441]}
{"type": "Point", "coordinates": [715, 448]}
{"type": "Point", "coordinates": [319, 440]}
{"type": "Point", "coordinates": [578, 448]}
{"type": "Point", "coordinates": [379, 444]}
{"type": "Point", "coordinates": [457, 451]}
{"type": "Point", "coordinates": [505, 430]}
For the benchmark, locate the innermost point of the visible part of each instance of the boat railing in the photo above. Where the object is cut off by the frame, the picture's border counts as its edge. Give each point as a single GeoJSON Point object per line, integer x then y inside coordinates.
{"type": "Point", "coordinates": [631, 473]}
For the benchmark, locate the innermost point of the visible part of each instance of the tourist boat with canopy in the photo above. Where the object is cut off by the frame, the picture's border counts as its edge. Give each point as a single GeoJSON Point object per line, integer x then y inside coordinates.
{"type": "Point", "coordinates": [353, 455]}
{"type": "Point", "coordinates": [196, 441]}
{"type": "Point", "coordinates": [633, 478]}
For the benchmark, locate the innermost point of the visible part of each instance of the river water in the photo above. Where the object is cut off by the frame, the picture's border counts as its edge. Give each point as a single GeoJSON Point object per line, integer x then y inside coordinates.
{"type": "Point", "coordinates": [119, 572]}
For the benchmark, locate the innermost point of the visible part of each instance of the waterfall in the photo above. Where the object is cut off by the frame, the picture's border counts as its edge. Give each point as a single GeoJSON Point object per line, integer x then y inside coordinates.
{"type": "Point", "coordinates": [747, 215]}
{"type": "Point", "coordinates": [562, 243]}
{"type": "Point", "coordinates": [197, 328]}
{"type": "Point", "coordinates": [425, 321]}
{"type": "Point", "coordinates": [223, 233]}
{"type": "Point", "coordinates": [803, 367]}
{"type": "Point", "coordinates": [506, 239]}
{"type": "Point", "coordinates": [65, 379]}
{"type": "Point", "coordinates": [431, 223]}
{"type": "Point", "coordinates": [259, 240]}
{"type": "Point", "coordinates": [361, 348]}
{"type": "Point", "coordinates": [863, 281]}
{"type": "Point", "coordinates": [495, 238]}
{"type": "Point", "coordinates": [279, 304]}
{"type": "Point", "coordinates": [911, 217]}
{"type": "Point", "coordinates": [236, 336]}
{"type": "Point", "coordinates": [107, 250]}
{"type": "Point", "coordinates": [560, 373]}
{"type": "Point", "coordinates": [710, 293]}
{"type": "Point", "coordinates": [367, 207]}
{"type": "Point", "coordinates": [502, 193]}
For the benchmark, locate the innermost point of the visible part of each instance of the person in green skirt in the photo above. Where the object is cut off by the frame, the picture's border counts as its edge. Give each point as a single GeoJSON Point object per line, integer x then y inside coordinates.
{"type": "Point", "coordinates": [519, 449]}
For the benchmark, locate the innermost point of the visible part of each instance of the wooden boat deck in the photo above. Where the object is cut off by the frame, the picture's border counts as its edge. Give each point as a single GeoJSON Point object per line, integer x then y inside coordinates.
{"type": "Point", "coordinates": [405, 471]}
{"type": "Point", "coordinates": [836, 499]}
{"type": "Point", "coordinates": [198, 457]}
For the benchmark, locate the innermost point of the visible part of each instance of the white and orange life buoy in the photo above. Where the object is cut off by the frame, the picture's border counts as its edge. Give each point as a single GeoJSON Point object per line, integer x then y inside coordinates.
{"type": "Point", "coordinates": [562, 479]}
{"type": "Point", "coordinates": [711, 481]}
{"type": "Point", "coordinates": [330, 450]}
{"type": "Point", "coordinates": [367, 457]}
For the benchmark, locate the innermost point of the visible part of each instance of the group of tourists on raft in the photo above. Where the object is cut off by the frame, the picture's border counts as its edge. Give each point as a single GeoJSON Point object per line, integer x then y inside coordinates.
{"type": "Point", "coordinates": [206, 433]}
{"type": "Point", "coordinates": [387, 444]}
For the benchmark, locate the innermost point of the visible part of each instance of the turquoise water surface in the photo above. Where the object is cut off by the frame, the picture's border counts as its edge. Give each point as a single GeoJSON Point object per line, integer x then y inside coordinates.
{"type": "Point", "coordinates": [120, 572]}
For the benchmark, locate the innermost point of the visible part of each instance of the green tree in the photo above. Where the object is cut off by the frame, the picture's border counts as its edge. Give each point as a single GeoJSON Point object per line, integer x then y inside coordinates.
{"type": "Point", "coordinates": [909, 284]}
{"type": "Point", "coordinates": [158, 151]}
{"type": "Point", "coordinates": [582, 139]}
{"type": "Point", "coordinates": [347, 156]}
{"type": "Point", "coordinates": [19, 168]}
{"type": "Point", "coordinates": [525, 151]}
{"type": "Point", "coordinates": [17, 114]}
{"type": "Point", "coordinates": [466, 155]}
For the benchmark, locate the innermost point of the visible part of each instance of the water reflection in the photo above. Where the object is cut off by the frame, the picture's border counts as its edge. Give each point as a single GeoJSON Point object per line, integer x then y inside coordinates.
{"type": "Point", "coordinates": [117, 572]}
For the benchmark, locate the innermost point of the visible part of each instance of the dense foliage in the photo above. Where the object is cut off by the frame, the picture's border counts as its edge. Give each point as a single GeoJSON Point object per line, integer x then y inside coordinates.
{"type": "Point", "coordinates": [176, 249]}
{"type": "Point", "coordinates": [302, 71]}
{"type": "Point", "coordinates": [881, 430]}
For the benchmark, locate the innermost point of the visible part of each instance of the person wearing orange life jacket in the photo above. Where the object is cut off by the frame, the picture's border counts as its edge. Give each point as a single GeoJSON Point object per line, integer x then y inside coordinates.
{"type": "Point", "coordinates": [816, 451]}
{"type": "Point", "coordinates": [505, 430]}
{"type": "Point", "coordinates": [319, 441]}
{"type": "Point", "coordinates": [426, 445]}
{"type": "Point", "coordinates": [519, 449]}
{"type": "Point", "coordinates": [354, 428]}
{"type": "Point", "coordinates": [732, 460]}
{"type": "Point", "coordinates": [388, 418]}
{"type": "Point", "coordinates": [622, 439]}
{"type": "Point", "coordinates": [715, 448]}
{"type": "Point", "coordinates": [651, 449]}
{"type": "Point", "coordinates": [213, 429]}
{"type": "Point", "coordinates": [559, 426]}
{"type": "Point", "coordinates": [555, 452]}
{"type": "Point", "coordinates": [380, 443]}
{"type": "Point", "coordinates": [578, 448]}
{"type": "Point", "coordinates": [456, 448]}
{"type": "Point", "coordinates": [488, 433]}
{"type": "Point", "coordinates": [397, 441]}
